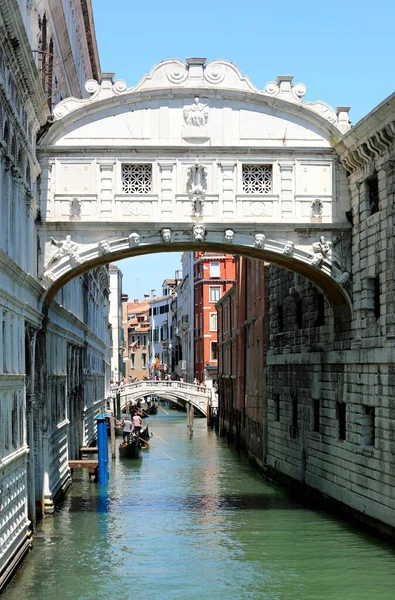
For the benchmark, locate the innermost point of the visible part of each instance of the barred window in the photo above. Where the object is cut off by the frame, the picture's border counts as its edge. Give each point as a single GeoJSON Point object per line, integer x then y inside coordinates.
{"type": "Point", "coordinates": [136, 179]}
{"type": "Point", "coordinates": [257, 179]}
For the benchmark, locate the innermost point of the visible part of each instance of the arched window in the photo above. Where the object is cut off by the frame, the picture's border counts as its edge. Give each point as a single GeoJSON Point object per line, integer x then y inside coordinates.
{"type": "Point", "coordinates": [28, 176]}
{"type": "Point", "coordinates": [6, 137]}
{"type": "Point", "coordinates": [13, 147]}
{"type": "Point", "coordinates": [19, 163]}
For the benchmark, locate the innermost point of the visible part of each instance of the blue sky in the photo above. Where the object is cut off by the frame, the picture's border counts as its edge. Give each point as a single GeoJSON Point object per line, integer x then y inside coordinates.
{"type": "Point", "coordinates": [343, 51]}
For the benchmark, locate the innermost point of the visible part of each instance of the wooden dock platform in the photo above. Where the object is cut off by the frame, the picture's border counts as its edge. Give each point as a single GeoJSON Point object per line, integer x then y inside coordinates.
{"type": "Point", "coordinates": [85, 463]}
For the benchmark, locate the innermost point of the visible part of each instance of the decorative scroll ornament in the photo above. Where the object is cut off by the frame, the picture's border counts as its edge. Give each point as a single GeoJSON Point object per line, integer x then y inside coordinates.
{"type": "Point", "coordinates": [134, 240]}
{"type": "Point", "coordinates": [196, 114]}
{"type": "Point", "coordinates": [289, 248]}
{"type": "Point", "coordinates": [65, 247]}
{"type": "Point", "coordinates": [316, 208]}
{"type": "Point", "coordinates": [229, 235]}
{"type": "Point", "coordinates": [198, 233]}
{"type": "Point", "coordinates": [259, 240]}
{"type": "Point", "coordinates": [104, 247]}
{"type": "Point", "coordinates": [166, 235]}
{"type": "Point", "coordinates": [322, 251]}
{"type": "Point", "coordinates": [215, 72]}
{"type": "Point", "coordinates": [196, 188]}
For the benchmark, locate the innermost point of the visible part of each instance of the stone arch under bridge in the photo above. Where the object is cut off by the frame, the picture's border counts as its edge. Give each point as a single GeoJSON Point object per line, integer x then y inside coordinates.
{"type": "Point", "coordinates": [195, 157]}
{"type": "Point", "coordinates": [178, 392]}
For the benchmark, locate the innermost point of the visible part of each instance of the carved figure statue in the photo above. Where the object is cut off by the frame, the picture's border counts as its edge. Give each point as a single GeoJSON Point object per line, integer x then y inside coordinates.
{"type": "Point", "coordinates": [166, 235]}
{"type": "Point", "coordinates": [259, 240]}
{"type": "Point", "coordinates": [322, 251]}
{"type": "Point", "coordinates": [104, 247]}
{"type": "Point", "coordinates": [196, 187]}
{"type": "Point", "coordinates": [229, 235]}
{"type": "Point", "coordinates": [65, 247]}
{"type": "Point", "coordinates": [196, 115]}
{"type": "Point", "coordinates": [198, 233]}
{"type": "Point", "coordinates": [134, 240]}
{"type": "Point", "coordinates": [289, 248]}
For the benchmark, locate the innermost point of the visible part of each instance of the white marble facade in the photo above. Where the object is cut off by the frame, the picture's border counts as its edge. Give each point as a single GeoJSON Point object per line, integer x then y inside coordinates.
{"type": "Point", "coordinates": [52, 363]}
{"type": "Point", "coordinates": [194, 144]}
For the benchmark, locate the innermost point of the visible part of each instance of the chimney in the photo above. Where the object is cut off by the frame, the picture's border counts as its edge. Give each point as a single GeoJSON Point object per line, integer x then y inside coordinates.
{"type": "Point", "coordinates": [136, 301]}
{"type": "Point", "coordinates": [146, 296]}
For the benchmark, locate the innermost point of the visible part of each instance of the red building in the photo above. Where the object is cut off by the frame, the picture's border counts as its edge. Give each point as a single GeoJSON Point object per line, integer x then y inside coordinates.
{"type": "Point", "coordinates": [214, 275]}
{"type": "Point", "coordinates": [242, 344]}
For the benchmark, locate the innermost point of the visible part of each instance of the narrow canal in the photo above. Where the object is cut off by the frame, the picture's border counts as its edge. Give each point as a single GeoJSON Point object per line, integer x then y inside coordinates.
{"type": "Point", "coordinates": [203, 525]}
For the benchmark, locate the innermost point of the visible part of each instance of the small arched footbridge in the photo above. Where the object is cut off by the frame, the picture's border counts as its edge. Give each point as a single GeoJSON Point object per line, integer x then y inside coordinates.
{"type": "Point", "coordinates": [175, 391]}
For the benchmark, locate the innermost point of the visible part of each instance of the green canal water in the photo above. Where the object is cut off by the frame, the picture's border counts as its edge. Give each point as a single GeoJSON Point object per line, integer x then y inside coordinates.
{"type": "Point", "coordinates": [203, 525]}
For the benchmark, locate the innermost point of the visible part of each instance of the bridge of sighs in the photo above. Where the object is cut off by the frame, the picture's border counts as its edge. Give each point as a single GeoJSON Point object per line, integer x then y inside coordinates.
{"type": "Point", "coordinates": [195, 157]}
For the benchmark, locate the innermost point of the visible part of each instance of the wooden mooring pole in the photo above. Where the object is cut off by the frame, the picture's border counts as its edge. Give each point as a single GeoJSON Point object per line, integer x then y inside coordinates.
{"type": "Point", "coordinates": [112, 434]}
{"type": "Point", "coordinates": [191, 417]}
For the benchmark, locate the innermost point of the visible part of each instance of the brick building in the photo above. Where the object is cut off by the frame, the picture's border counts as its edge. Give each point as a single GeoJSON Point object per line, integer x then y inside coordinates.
{"type": "Point", "coordinates": [214, 275]}
{"type": "Point", "coordinates": [242, 342]}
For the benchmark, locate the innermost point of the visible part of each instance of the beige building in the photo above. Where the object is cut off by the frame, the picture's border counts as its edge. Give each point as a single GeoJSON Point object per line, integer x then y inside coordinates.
{"type": "Point", "coordinates": [136, 325]}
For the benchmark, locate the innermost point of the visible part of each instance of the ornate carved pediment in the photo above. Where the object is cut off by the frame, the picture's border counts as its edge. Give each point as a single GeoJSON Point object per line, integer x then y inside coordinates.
{"type": "Point", "coordinates": [195, 74]}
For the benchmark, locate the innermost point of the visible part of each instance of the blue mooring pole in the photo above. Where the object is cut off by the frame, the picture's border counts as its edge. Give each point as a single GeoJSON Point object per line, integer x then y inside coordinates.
{"type": "Point", "coordinates": [102, 448]}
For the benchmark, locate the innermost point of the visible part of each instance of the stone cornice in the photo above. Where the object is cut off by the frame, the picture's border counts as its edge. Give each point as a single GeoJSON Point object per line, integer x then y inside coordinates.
{"type": "Point", "coordinates": [24, 66]}
{"type": "Point", "coordinates": [86, 6]}
{"type": "Point", "coordinates": [371, 138]}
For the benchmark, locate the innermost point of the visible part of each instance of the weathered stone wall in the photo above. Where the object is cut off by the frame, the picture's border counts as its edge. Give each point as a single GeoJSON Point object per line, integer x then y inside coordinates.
{"type": "Point", "coordinates": [331, 407]}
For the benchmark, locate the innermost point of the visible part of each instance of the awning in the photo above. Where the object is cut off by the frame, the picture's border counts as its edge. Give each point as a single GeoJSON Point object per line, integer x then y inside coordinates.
{"type": "Point", "coordinates": [133, 344]}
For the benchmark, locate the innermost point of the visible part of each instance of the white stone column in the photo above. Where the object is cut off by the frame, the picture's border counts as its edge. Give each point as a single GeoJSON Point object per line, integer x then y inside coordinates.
{"type": "Point", "coordinates": [166, 193]}
{"type": "Point", "coordinates": [105, 205]}
{"type": "Point", "coordinates": [228, 199]}
{"type": "Point", "coordinates": [287, 192]}
{"type": "Point", "coordinates": [46, 206]}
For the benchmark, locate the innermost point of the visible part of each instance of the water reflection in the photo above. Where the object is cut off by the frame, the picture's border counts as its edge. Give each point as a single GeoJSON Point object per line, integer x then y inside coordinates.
{"type": "Point", "coordinates": [202, 525]}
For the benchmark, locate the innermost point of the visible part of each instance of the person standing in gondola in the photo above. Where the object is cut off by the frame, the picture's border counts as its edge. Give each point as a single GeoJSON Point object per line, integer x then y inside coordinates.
{"type": "Point", "coordinates": [127, 428]}
{"type": "Point", "coordinates": [137, 422]}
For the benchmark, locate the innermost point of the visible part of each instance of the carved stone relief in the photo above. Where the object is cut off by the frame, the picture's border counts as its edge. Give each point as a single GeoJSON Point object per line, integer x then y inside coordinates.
{"type": "Point", "coordinates": [289, 248]}
{"type": "Point", "coordinates": [134, 240]}
{"type": "Point", "coordinates": [196, 188]}
{"type": "Point", "coordinates": [259, 240]}
{"type": "Point", "coordinates": [229, 235]}
{"type": "Point", "coordinates": [166, 235]}
{"type": "Point", "coordinates": [198, 233]}
{"type": "Point", "coordinates": [65, 247]}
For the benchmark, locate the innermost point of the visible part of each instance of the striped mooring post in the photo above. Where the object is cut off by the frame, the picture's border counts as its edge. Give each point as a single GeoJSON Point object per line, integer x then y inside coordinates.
{"type": "Point", "coordinates": [102, 448]}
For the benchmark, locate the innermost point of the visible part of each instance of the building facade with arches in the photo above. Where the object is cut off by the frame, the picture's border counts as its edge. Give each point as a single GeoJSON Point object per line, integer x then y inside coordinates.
{"type": "Point", "coordinates": [45, 412]}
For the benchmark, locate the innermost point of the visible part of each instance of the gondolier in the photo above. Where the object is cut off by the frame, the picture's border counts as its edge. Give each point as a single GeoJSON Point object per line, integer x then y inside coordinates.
{"type": "Point", "coordinates": [137, 423]}
{"type": "Point", "coordinates": [127, 428]}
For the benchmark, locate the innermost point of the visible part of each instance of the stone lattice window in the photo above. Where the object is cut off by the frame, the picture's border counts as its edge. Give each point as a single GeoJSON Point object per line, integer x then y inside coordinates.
{"type": "Point", "coordinates": [257, 179]}
{"type": "Point", "coordinates": [136, 179]}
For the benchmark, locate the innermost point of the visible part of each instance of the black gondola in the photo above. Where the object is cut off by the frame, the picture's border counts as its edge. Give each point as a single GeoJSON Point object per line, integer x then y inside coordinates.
{"type": "Point", "coordinates": [130, 449]}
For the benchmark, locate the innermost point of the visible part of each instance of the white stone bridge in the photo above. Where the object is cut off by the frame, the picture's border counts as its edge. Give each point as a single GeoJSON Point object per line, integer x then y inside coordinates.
{"type": "Point", "coordinates": [195, 157]}
{"type": "Point", "coordinates": [177, 392]}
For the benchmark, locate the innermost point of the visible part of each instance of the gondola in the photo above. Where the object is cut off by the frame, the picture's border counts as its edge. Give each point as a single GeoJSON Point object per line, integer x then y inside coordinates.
{"type": "Point", "coordinates": [131, 449]}
{"type": "Point", "coordinates": [152, 409]}
{"type": "Point", "coordinates": [144, 436]}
